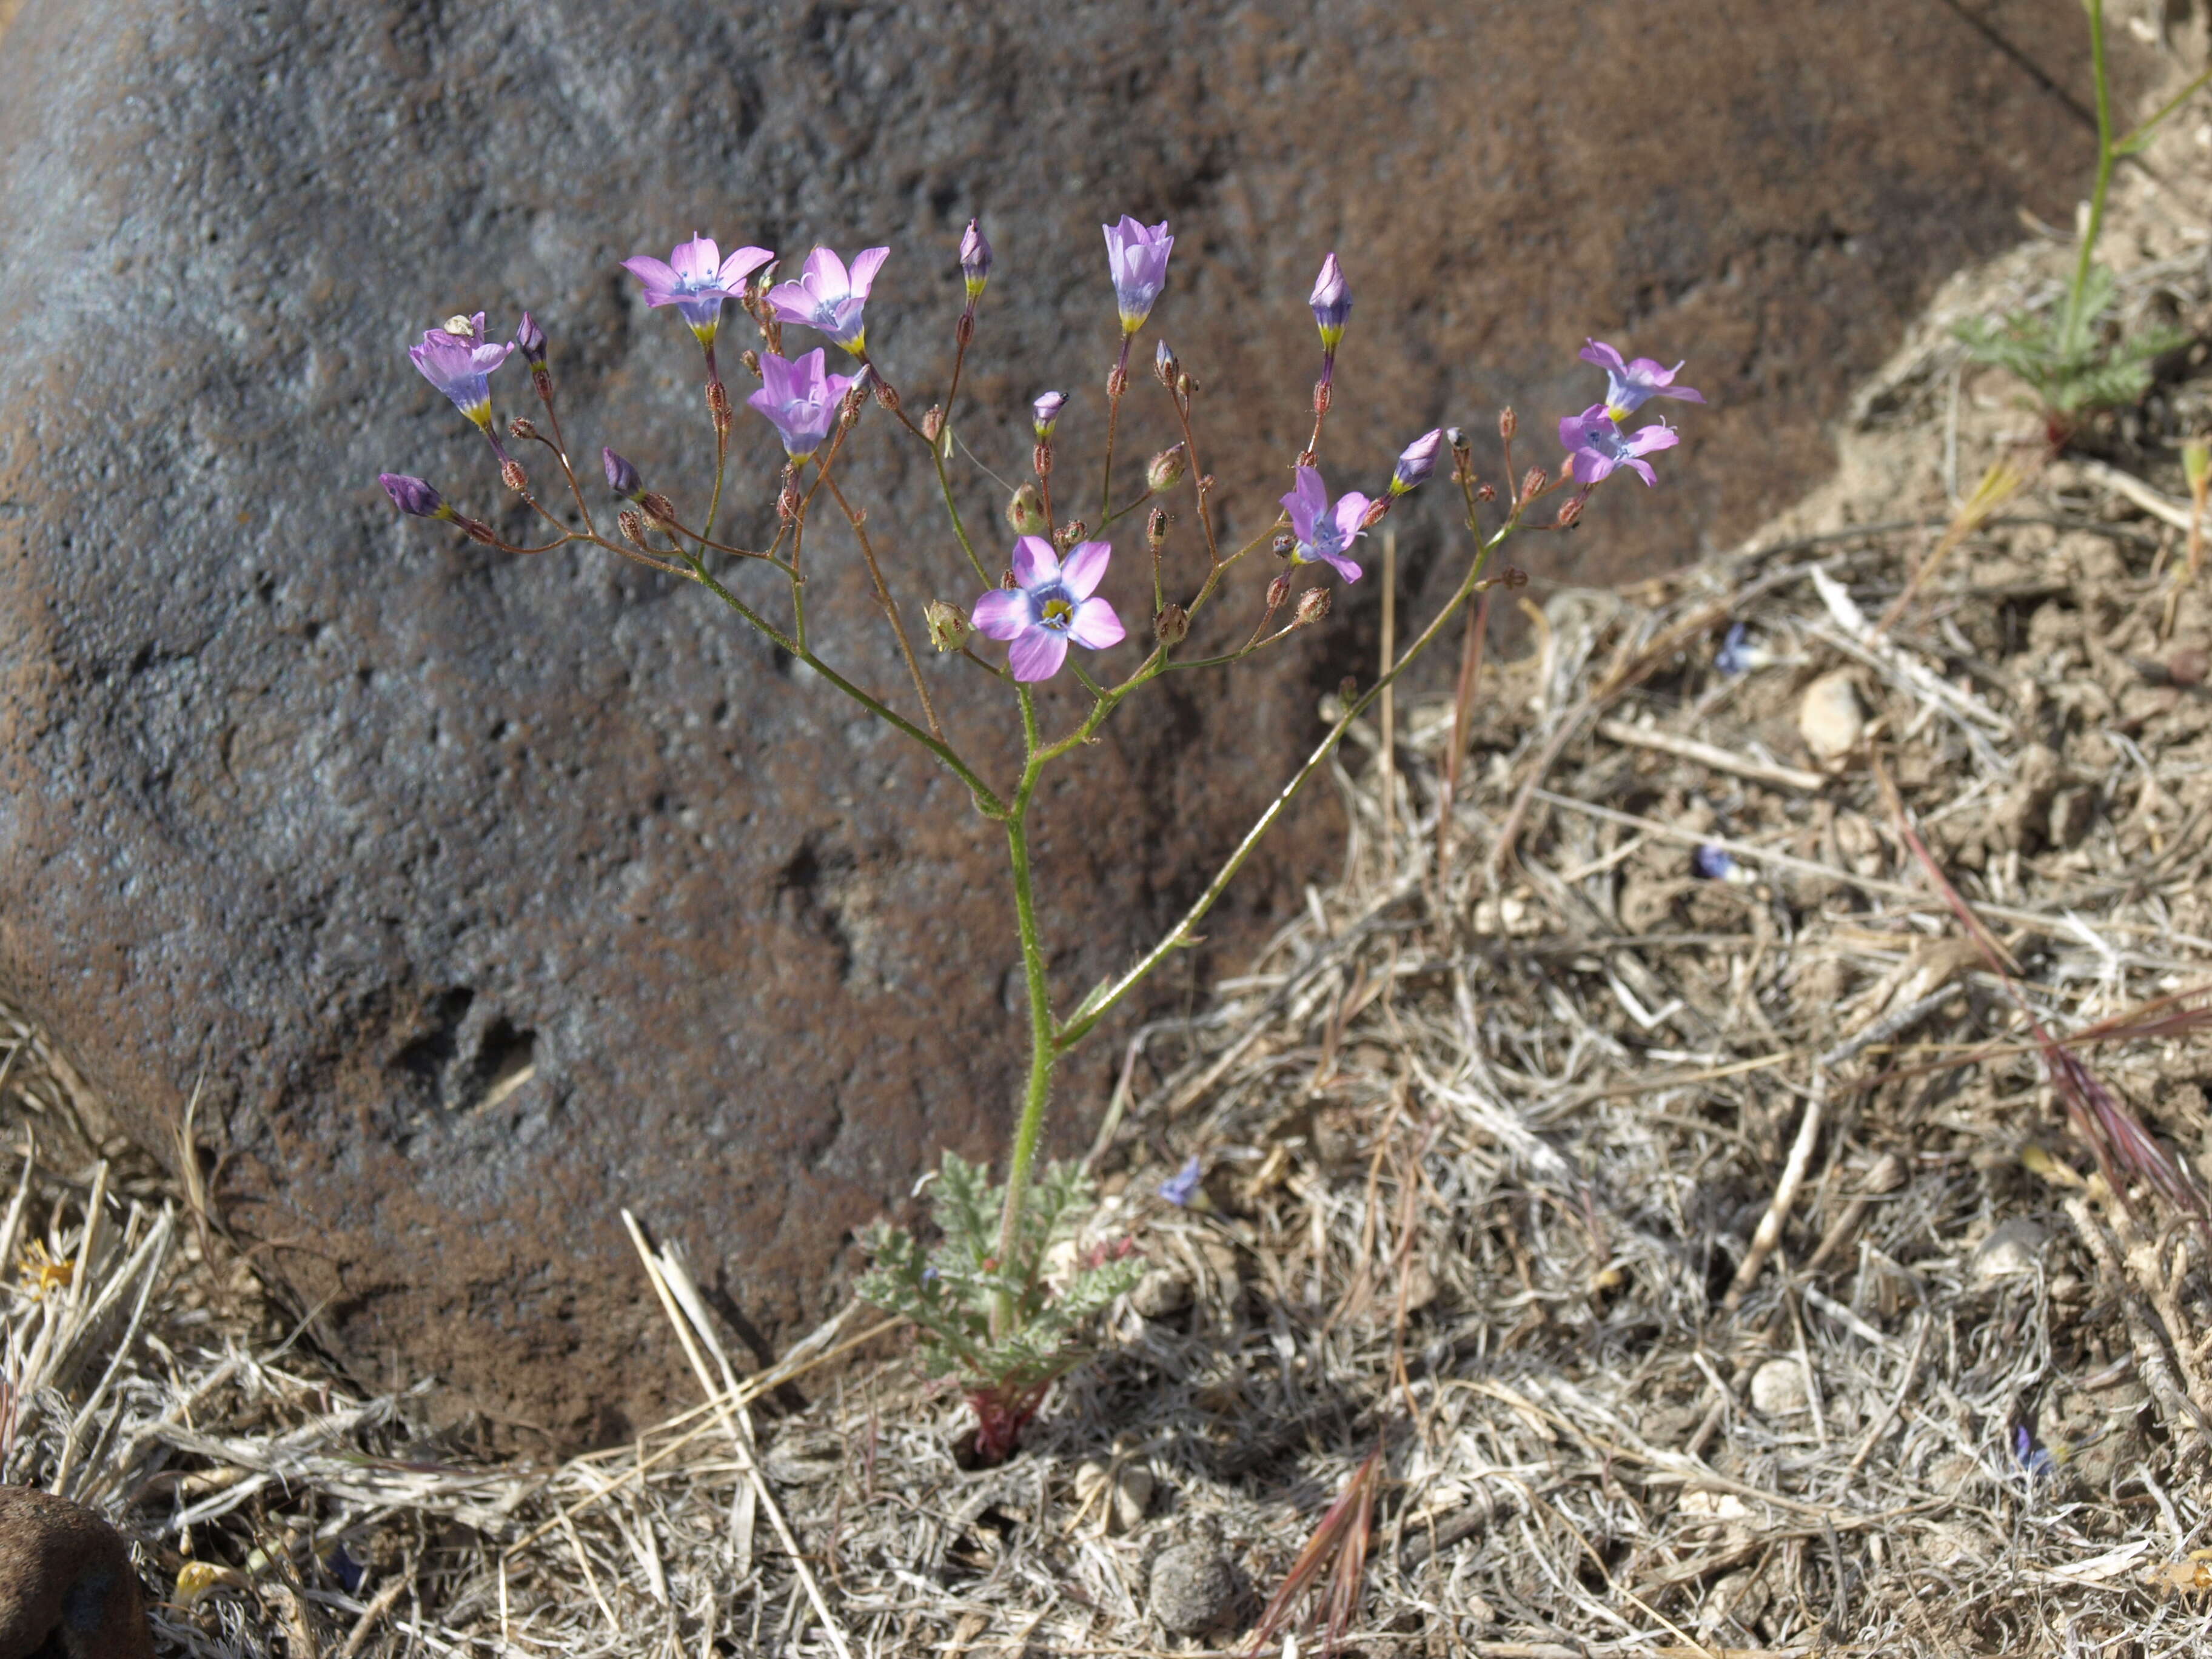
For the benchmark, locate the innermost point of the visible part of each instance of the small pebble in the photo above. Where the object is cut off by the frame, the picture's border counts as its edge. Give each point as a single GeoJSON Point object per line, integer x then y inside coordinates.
{"type": "Point", "coordinates": [1194, 1589]}
{"type": "Point", "coordinates": [1829, 718]}
{"type": "Point", "coordinates": [2011, 1249]}
{"type": "Point", "coordinates": [1777, 1387]}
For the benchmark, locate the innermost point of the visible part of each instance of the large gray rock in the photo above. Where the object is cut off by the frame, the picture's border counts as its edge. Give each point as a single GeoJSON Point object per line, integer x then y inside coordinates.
{"type": "Point", "coordinates": [366, 822]}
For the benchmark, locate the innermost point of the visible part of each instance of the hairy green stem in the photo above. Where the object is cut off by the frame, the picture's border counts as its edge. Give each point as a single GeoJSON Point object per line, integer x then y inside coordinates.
{"type": "Point", "coordinates": [1044, 1050]}
{"type": "Point", "coordinates": [2107, 157]}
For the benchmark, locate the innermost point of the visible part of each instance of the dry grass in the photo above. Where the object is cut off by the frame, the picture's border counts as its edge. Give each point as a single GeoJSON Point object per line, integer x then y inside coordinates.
{"type": "Point", "coordinates": [1705, 1263]}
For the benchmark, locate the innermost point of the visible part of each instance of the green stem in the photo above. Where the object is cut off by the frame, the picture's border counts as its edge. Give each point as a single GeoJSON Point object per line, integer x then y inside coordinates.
{"type": "Point", "coordinates": [2107, 156]}
{"type": "Point", "coordinates": [986, 800]}
{"type": "Point", "coordinates": [1098, 1003]}
{"type": "Point", "coordinates": [1044, 1050]}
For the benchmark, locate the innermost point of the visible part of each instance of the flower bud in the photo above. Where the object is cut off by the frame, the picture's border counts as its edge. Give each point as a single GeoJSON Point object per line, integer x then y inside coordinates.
{"type": "Point", "coordinates": [1278, 591]}
{"type": "Point", "coordinates": [632, 523]}
{"type": "Point", "coordinates": [1374, 515]}
{"type": "Point", "coordinates": [659, 511]}
{"type": "Point", "coordinates": [1416, 461]}
{"type": "Point", "coordinates": [412, 496]}
{"type": "Point", "coordinates": [1571, 508]}
{"type": "Point", "coordinates": [1025, 512]}
{"type": "Point", "coordinates": [1117, 381]}
{"type": "Point", "coordinates": [718, 405]}
{"type": "Point", "coordinates": [523, 428]}
{"type": "Point", "coordinates": [948, 625]}
{"type": "Point", "coordinates": [887, 395]}
{"type": "Point", "coordinates": [1514, 576]}
{"type": "Point", "coordinates": [530, 340]}
{"type": "Point", "coordinates": [1331, 300]}
{"type": "Point", "coordinates": [1284, 545]}
{"type": "Point", "coordinates": [1507, 424]}
{"type": "Point", "coordinates": [1164, 469]}
{"type": "Point", "coordinates": [511, 474]}
{"type": "Point", "coordinates": [1044, 413]}
{"type": "Point", "coordinates": [1171, 625]}
{"type": "Point", "coordinates": [1164, 366]}
{"type": "Point", "coordinates": [963, 329]}
{"type": "Point", "coordinates": [1485, 492]}
{"type": "Point", "coordinates": [622, 476]}
{"type": "Point", "coordinates": [1156, 527]}
{"type": "Point", "coordinates": [1534, 482]}
{"type": "Point", "coordinates": [932, 423]}
{"type": "Point", "coordinates": [1041, 459]}
{"type": "Point", "coordinates": [1322, 398]}
{"type": "Point", "coordinates": [975, 260]}
{"type": "Point", "coordinates": [1313, 605]}
{"type": "Point", "coordinates": [477, 531]}
{"type": "Point", "coordinates": [750, 359]}
{"type": "Point", "coordinates": [1068, 534]}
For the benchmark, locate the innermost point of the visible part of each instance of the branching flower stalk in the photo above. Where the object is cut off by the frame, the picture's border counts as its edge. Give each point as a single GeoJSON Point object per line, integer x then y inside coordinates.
{"type": "Point", "coordinates": [1000, 1305]}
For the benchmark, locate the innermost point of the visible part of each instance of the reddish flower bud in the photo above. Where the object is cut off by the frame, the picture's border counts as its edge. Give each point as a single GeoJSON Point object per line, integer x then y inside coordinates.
{"type": "Point", "coordinates": [659, 511]}
{"type": "Point", "coordinates": [750, 359]}
{"type": "Point", "coordinates": [963, 331]}
{"type": "Point", "coordinates": [718, 405]}
{"type": "Point", "coordinates": [1171, 625]}
{"type": "Point", "coordinates": [633, 526]}
{"type": "Point", "coordinates": [887, 394]}
{"type": "Point", "coordinates": [1068, 534]}
{"type": "Point", "coordinates": [520, 426]}
{"type": "Point", "coordinates": [1534, 482]}
{"type": "Point", "coordinates": [511, 474]}
{"type": "Point", "coordinates": [1117, 381]}
{"type": "Point", "coordinates": [1041, 458]}
{"type": "Point", "coordinates": [1278, 591]}
{"type": "Point", "coordinates": [1485, 492]}
{"type": "Point", "coordinates": [1322, 398]}
{"type": "Point", "coordinates": [1313, 605]}
{"type": "Point", "coordinates": [1374, 515]}
{"type": "Point", "coordinates": [1514, 576]}
{"type": "Point", "coordinates": [932, 423]}
{"type": "Point", "coordinates": [1507, 423]}
{"type": "Point", "coordinates": [1164, 366]}
{"type": "Point", "coordinates": [1165, 469]}
{"type": "Point", "coordinates": [1571, 508]}
{"type": "Point", "coordinates": [476, 531]}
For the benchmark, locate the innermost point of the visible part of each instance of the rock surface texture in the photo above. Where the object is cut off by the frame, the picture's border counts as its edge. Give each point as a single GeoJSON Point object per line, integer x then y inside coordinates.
{"type": "Point", "coordinates": [492, 895]}
{"type": "Point", "coordinates": [67, 1589]}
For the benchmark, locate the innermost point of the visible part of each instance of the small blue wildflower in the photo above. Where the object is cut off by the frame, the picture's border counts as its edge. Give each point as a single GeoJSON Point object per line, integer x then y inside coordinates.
{"type": "Point", "coordinates": [1181, 1187]}
{"type": "Point", "coordinates": [1738, 655]}
{"type": "Point", "coordinates": [1713, 863]}
{"type": "Point", "coordinates": [2036, 1460]}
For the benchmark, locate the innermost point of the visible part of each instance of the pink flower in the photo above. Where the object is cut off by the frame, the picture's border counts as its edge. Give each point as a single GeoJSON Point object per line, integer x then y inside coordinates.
{"type": "Point", "coordinates": [830, 297]}
{"type": "Point", "coordinates": [1137, 255]}
{"type": "Point", "coordinates": [1596, 445]}
{"type": "Point", "coordinates": [1325, 533]}
{"type": "Point", "coordinates": [457, 359]}
{"type": "Point", "coordinates": [1629, 386]}
{"type": "Point", "coordinates": [1051, 604]}
{"type": "Point", "coordinates": [799, 400]}
{"type": "Point", "coordinates": [696, 280]}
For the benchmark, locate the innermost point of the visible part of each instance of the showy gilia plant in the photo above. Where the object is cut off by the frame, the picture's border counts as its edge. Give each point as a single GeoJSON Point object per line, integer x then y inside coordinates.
{"type": "Point", "coordinates": [999, 1307]}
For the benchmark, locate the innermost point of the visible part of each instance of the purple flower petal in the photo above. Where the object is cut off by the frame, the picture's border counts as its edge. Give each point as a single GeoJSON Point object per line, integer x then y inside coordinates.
{"type": "Point", "coordinates": [1181, 1187]}
{"type": "Point", "coordinates": [697, 262]}
{"type": "Point", "coordinates": [1351, 508]}
{"type": "Point", "coordinates": [824, 276]}
{"type": "Point", "coordinates": [1034, 562]}
{"type": "Point", "coordinates": [1343, 565]}
{"type": "Point", "coordinates": [1001, 614]}
{"type": "Point", "coordinates": [1598, 352]}
{"type": "Point", "coordinates": [1085, 568]}
{"type": "Point", "coordinates": [865, 263]}
{"type": "Point", "coordinates": [1037, 654]}
{"type": "Point", "coordinates": [740, 265]}
{"type": "Point", "coordinates": [1097, 625]}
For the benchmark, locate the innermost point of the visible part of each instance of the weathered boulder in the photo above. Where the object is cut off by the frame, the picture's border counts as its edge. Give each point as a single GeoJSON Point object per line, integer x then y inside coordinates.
{"type": "Point", "coordinates": [492, 895]}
